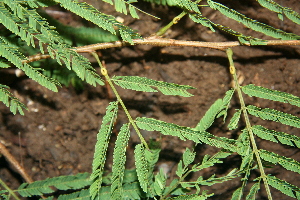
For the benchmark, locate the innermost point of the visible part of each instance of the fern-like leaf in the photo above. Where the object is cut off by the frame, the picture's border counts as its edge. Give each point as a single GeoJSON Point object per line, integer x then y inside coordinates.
{"type": "Point", "coordinates": [237, 194]}
{"type": "Point", "coordinates": [185, 133]}
{"type": "Point", "coordinates": [62, 182]}
{"type": "Point", "coordinates": [233, 124]}
{"type": "Point", "coordinates": [213, 180]}
{"type": "Point", "coordinates": [253, 191]}
{"type": "Point", "coordinates": [119, 160]}
{"type": "Point", "coordinates": [226, 102]}
{"type": "Point", "coordinates": [275, 7]}
{"type": "Point", "coordinates": [15, 57]}
{"type": "Point", "coordinates": [144, 84]}
{"type": "Point", "coordinates": [275, 136]}
{"type": "Point", "coordinates": [210, 116]}
{"type": "Point", "coordinates": [287, 163]}
{"type": "Point", "coordinates": [163, 2]}
{"type": "Point", "coordinates": [104, 21]}
{"type": "Point", "coordinates": [253, 24]}
{"type": "Point", "coordinates": [209, 161]}
{"type": "Point", "coordinates": [79, 195]}
{"type": "Point", "coordinates": [10, 101]}
{"type": "Point", "coordinates": [101, 147]}
{"type": "Point", "coordinates": [273, 95]}
{"type": "Point", "coordinates": [198, 18]}
{"type": "Point", "coordinates": [284, 187]}
{"type": "Point", "coordinates": [141, 166]}
{"type": "Point", "coordinates": [160, 182]}
{"type": "Point", "coordinates": [274, 115]}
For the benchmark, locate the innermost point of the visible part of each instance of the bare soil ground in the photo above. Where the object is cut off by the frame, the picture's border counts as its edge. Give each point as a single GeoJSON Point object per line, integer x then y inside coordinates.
{"type": "Point", "coordinates": [58, 133]}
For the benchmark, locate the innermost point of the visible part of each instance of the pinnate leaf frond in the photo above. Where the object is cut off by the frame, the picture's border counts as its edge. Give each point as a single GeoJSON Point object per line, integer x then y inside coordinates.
{"type": "Point", "coordinates": [253, 191]}
{"type": "Point", "coordinates": [284, 187]}
{"type": "Point", "coordinates": [15, 57]}
{"type": "Point", "coordinates": [287, 163]}
{"type": "Point", "coordinates": [226, 102]}
{"type": "Point", "coordinates": [289, 13]}
{"type": "Point", "coordinates": [79, 195]}
{"type": "Point", "coordinates": [141, 166]}
{"type": "Point", "coordinates": [273, 95]}
{"type": "Point", "coordinates": [233, 124]}
{"type": "Point", "coordinates": [253, 24]}
{"type": "Point", "coordinates": [274, 115]}
{"type": "Point", "coordinates": [144, 84]}
{"type": "Point", "coordinates": [185, 133]}
{"type": "Point", "coordinates": [209, 161]}
{"type": "Point", "coordinates": [107, 22]}
{"type": "Point", "coordinates": [210, 116]}
{"type": "Point", "coordinates": [101, 148]}
{"type": "Point", "coordinates": [276, 136]}
{"type": "Point", "coordinates": [61, 182]}
{"type": "Point", "coordinates": [119, 160]}
{"type": "Point", "coordinates": [198, 18]}
{"type": "Point", "coordinates": [10, 101]}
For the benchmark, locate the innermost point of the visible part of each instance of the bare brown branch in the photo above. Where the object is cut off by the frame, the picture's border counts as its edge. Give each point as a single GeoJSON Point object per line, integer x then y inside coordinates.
{"type": "Point", "coordinates": [164, 42]}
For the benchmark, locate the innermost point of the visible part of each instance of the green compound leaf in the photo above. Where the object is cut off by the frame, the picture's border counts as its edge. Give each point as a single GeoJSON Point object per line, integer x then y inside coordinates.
{"type": "Point", "coordinates": [101, 146]}
{"type": "Point", "coordinates": [274, 115]}
{"type": "Point", "coordinates": [253, 24]}
{"type": "Point", "coordinates": [104, 21]}
{"type": "Point", "coordinates": [209, 161]}
{"type": "Point", "coordinates": [275, 7]}
{"type": "Point", "coordinates": [237, 194]}
{"type": "Point", "coordinates": [144, 84]}
{"type": "Point", "coordinates": [253, 191]}
{"type": "Point", "coordinates": [275, 136]}
{"type": "Point", "coordinates": [141, 166]}
{"type": "Point", "coordinates": [284, 187]}
{"type": "Point", "coordinates": [233, 124]}
{"type": "Point", "coordinates": [15, 57]}
{"type": "Point", "coordinates": [210, 116]}
{"type": "Point", "coordinates": [61, 182]}
{"type": "Point", "coordinates": [160, 182]}
{"type": "Point", "coordinates": [273, 95]}
{"type": "Point", "coordinates": [79, 195]}
{"type": "Point", "coordinates": [119, 159]}
{"type": "Point", "coordinates": [185, 133]}
{"type": "Point", "coordinates": [287, 163]}
{"type": "Point", "coordinates": [188, 157]}
{"type": "Point", "coordinates": [198, 18]}
{"type": "Point", "coordinates": [226, 102]}
{"type": "Point", "coordinates": [10, 101]}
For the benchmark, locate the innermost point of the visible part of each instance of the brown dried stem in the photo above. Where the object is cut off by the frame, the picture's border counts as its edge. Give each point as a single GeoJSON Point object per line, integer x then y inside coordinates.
{"type": "Point", "coordinates": [11, 159]}
{"type": "Point", "coordinates": [164, 42]}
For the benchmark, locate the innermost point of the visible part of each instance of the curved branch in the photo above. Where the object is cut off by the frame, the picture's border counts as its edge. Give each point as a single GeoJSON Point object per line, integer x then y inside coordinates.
{"type": "Point", "coordinates": [158, 41]}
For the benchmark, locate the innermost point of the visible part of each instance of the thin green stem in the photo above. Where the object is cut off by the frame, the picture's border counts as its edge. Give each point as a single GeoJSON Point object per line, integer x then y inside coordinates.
{"type": "Point", "coordinates": [164, 29]}
{"type": "Point", "coordinates": [248, 125]}
{"type": "Point", "coordinates": [105, 74]}
{"type": "Point", "coordinates": [9, 190]}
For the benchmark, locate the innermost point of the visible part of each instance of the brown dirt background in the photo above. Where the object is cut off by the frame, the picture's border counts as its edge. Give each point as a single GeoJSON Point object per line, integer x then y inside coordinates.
{"type": "Point", "coordinates": [58, 133]}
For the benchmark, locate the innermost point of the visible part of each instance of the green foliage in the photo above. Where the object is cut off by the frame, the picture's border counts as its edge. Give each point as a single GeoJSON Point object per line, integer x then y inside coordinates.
{"type": "Point", "coordinates": [269, 94]}
{"type": "Point", "coordinates": [144, 84]}
{"type": "Point", "coordinates": [274, 115]}
{"type": "Point", "coordinates": [185, 133]}
{"type": "Point", "coordinates": [10, 101]}
{"type": "Point", "coordinates": [26, 23]}
{"type": "Point", "coordinates": [253, 24]}
{"type": "Point", "coordinates": [118, 167]}
{"type": "Point", "coordinates": [209, 116]}
{"type": "Point", "coordinates": [61, 182]}
{"type": "Point", "coordinates": [101, 148]}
